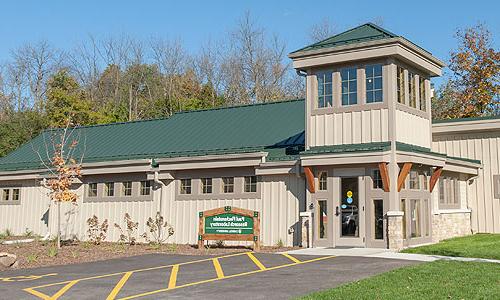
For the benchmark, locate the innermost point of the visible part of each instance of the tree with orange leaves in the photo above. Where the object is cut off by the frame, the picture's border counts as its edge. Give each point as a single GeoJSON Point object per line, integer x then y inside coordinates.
{"type": "Point", "coordinates": [474, 88]}
{"type": "Point", "coordinates": [60, 161]}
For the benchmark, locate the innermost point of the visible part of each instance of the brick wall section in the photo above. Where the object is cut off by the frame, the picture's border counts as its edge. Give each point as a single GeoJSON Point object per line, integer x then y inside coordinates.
{"type": "Point", "coordinates": [395, 232]}
{"type": "Point", "coordinates": [448, 225]}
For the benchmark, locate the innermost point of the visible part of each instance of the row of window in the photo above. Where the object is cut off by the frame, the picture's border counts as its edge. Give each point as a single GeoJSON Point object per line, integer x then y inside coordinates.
{"type": "Point", "coordinates": [206, 185]}
{"type": "Point", "coordinates": [414, 180]}
{"type": "Point", "coordinates": [374, 89]}
{"type": "Point", "coordinates": [409, 78]}
{"type": "Point", "coordinates": [112, 189]}
{"type": "Point", "coordinates": [11, 194]}
{"type": "Point", "coordinates": [349, 86]}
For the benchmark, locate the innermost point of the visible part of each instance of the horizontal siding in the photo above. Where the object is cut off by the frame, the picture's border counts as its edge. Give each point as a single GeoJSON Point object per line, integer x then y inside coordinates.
{"type": "Point", "coordinates": [349, 127]}
{"type": "Point", "coordinates": [485, 147]}
{"type": "Point", "coordinates": [412, 129]}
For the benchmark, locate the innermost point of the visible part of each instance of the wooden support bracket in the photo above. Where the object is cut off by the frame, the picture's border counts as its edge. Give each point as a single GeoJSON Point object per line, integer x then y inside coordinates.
{"type": "Point", "coordinates": [382, 167]}
{"type": "Point", "coordinates": [434, 177]}
{"type": "Point", "coordinates": [310, 179]}
{"type": "Point", "coordinates": [402, 174]}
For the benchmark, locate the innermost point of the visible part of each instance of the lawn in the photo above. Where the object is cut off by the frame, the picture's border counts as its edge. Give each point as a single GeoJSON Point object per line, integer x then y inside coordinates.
{"type": "Point", "coordinates": [435, 280]}
{"type": "Point", "coordinates": [477, 245]}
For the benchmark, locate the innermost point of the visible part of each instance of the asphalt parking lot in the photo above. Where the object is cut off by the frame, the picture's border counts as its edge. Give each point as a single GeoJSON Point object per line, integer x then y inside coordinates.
{"type": "Point", "coordinates": [163, 276]}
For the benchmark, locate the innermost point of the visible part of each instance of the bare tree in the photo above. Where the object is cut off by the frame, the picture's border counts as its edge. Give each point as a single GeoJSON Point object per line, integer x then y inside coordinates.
{"type": "Point", "coordinates": [322, 30]}
{"type": "Point", "coordinates": [208, 66]}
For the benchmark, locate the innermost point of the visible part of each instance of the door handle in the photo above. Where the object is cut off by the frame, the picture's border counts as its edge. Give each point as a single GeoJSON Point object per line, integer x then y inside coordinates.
{"type": "Point", "coordinates": [337, 213]}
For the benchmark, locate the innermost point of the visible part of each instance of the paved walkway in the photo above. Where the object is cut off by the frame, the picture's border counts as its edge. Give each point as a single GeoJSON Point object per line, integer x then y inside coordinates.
{"type": "Point", "coordinates": [383, 253]}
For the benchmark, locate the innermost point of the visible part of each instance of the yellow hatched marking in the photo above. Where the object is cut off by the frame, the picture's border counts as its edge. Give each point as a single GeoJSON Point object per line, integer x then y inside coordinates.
{"type": "Point", "coordinates": [25, 278]}
{"type": "Point", "coordinates": [226, 277]}
{"type": "Point", "coordinates": [290, 257]}
{"type": "Point", "coordinates": [37, 294]}
{"type": "Point", "coordinates": [256, 261]}
{"type": "Point", "coordinates": [119, 286]}
{"type": "Point", "coordinates": [173, 277]}
{"type": "Point", "coordinates": [136, 271]}
{"type": "Point", "coordinates": [218, 268]}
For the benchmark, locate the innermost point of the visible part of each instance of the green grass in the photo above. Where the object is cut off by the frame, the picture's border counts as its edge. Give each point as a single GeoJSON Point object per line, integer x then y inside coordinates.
{"type": "Point", "coordinates": [477, 245]}
{"type": "Point", "coordinates": [435, 280]}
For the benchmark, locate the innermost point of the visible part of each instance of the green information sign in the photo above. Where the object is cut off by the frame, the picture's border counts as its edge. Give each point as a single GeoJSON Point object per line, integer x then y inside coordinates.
{"type": "Point", "coordinates": [229, 223]}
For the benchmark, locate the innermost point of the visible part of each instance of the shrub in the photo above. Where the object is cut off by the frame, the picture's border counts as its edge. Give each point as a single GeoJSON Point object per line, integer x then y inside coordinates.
{"type": "Point", "coordinates": [280, 244]}
{"type": "Point", "coordinates": [97, 232]}
{"type": "Point", "coordinates": [32, 258]}
{"type": "Point", "coordinates": [52, 252]}
{"type": "Point", "coordinates": [129, 235]}
{"type": "Point", "coordinates": [159, 229]}
{"type": "Point", "coordinates": [28, 233]}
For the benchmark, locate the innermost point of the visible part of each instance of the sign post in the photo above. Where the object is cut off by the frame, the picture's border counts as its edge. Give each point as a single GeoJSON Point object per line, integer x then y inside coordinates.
{"type": "Point", "coordinates": [229, 224]}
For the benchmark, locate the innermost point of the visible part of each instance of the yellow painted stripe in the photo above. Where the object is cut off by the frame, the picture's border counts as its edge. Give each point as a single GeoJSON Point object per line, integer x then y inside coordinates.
{"type": "Point", "coordinates": [63, 290]}
{"type": "Point", "coordinates": [256, 261]}
{"type": "Point", "coordinates": [226, 277]}
{"type": "Point", "coordinates": [218, 268]}
{"type": "Point", "coordinates": [137, 270]}
{"type": "Point", "coordinates": [119, 286]}
{"type": "Point", "coordinates": [290, 257]}
{"type": "Point", "coordinates": [37, 294]}
{"type": "Point", "coordinates": [173, 277]}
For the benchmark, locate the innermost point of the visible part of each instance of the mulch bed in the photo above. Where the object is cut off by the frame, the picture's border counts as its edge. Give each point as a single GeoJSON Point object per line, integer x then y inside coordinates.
{"type": "Point", "coordinates": [45, 253]}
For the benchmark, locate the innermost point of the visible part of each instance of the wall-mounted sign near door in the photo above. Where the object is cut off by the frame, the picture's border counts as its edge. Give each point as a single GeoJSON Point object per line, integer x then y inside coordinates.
{"type": "Point", "coordinates": [229, 224]}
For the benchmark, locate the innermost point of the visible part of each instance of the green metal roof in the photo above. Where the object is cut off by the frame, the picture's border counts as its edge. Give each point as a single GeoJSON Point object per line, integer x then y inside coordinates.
{"type": "Point", "coordinates": [275, 127]}
{"type": "Point", "coordinates": [348, 148]}
{"type": "Point", "coordinates": [494, 117]}
{"type": "Point", "coordinates": [418, 149]}
{"type": "Point", "coordinates": [363, 33]}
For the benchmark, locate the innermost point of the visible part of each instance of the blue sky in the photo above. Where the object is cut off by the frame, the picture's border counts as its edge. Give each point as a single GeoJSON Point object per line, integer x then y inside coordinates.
{"type": "Point", "coordinates": [430, 24]}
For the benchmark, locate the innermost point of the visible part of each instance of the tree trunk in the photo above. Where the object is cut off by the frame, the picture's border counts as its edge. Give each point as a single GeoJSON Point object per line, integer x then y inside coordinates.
{"type": "Point", "coordinates": [58, 224]}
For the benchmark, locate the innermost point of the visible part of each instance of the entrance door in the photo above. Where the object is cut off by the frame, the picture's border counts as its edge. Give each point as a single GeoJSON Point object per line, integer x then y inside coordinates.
{"type": "Point", "coordinates": [350, 212]}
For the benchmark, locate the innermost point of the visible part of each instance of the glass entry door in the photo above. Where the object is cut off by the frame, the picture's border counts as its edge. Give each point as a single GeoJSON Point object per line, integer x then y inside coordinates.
{"type": "Point", "coordinates": [350, 212]}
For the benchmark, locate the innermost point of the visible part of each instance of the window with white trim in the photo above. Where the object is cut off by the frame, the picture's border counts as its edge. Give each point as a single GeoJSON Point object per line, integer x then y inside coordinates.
{"type": "Point", "coordinates": [401, 81]}
{"type": "Point", "coordinates": [373, 83]}
{"type": "Point", "coordinates": [250, 184]}
{"type": "Point", "coordinates": [206, 185]}
{"type": "Point", "coordinates": [228, 185]}
{"type": "Point", "coordinates": [185, 187]}
{"type": "Point", "coordinates": [349, 83]}
{"type": "Point", "coordinates": [323, 181]}
{"type": "Point", "coordinates": [449, 192]}
{"type": "Point", "coordinates": [127, 188]}
{"type": "Point", "coordinates": [145, 188]}
{"type": "Point", "coordinates": [411, 90]}
{"type": "Point", "coordinates": [92, 189]}
{"type": "Point", "coordinates": [414, 180]}
{"type": "Point", "coordinates": [422, 93]}
{"type": "Point", "coordinates": [377, 180]}
{"type": "Point", "coordinates": [109, 189]}
{"type": "Point", "coordinates": [325, 89]}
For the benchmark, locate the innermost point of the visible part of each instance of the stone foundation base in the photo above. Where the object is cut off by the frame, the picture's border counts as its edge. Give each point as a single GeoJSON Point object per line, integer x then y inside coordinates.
{"type": "Point", "coordinates": [395, 230]}
{"type": "Point", "coordinates": [448, 225]}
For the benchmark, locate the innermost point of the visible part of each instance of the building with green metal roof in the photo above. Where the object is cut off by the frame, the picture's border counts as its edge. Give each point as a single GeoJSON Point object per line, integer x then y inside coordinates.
{"type": "Point", "coordinates": [358, 162]}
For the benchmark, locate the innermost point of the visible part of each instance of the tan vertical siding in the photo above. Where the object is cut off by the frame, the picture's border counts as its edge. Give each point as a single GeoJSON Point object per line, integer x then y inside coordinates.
{"type": "Point", "coordinates": [349, 127]}
{"type": "Point", "coordinates": [412, 129]}
{"type": "Point", "coordinates": [485, 215]}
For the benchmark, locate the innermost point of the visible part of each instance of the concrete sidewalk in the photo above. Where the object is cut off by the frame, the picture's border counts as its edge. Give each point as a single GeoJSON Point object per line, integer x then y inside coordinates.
{"type": "Point", "coordinates": [383, 253]}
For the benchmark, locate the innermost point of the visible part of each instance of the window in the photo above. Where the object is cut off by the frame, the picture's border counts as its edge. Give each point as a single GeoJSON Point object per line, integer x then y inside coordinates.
{"type": "Point", "coordinates": [250, 184]}
{"type": "Point", "coordinates": [349, 86]}
{"type": "Point", "coordinates": [323, 219]}
{"type": "Point", "coordinates": [415, 221]}
{"type": "Point", "coordinates": [449, 192]}
{"type": "Point", "coordinates": [411, 89]}
{"type": "Point", "coordinates": [15, 194]}
{"type": "Point", "coordinates": [496, 186]}
{"type": "Point", "coordinates": [324, 89]}
{"type": "Point", "coordinates": [109, 189]}
{"type": "Point", "coordinates": [373, 83]}
{"type": "Point", "coordinates": [323, 181]}
{"type": "Point", "coordinates": [378, 218]}
{"type": "Point", "coordinates": [145, 188]}
{"type": "Point", "coordinates": [5, 194]}
{"type": "Point", "coordinates": [414, 180]}
{"type": "Point", "coordinates": [403, 209]}
{"type": "Point", "coordinates": [377, 180]}
{"type": "Point", "coordinates": [401, 85]}
{"type": "Point", "coordinates": [92, 192]}
{"type": "Point", "coordinates": [185, 186]}
{"type": "Point", "coordinates": [206, 185]}
{"type": "Point", "coordinates": [422, 93]}
{"type": "Point", "coordinates": [228, 185]}
{"type": "Point", "coordinates": [127, 188]}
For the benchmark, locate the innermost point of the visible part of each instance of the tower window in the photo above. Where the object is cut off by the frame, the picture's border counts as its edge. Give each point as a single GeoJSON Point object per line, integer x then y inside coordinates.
{"type": "Point", "coordinates": [373, 83]}
{"type": "Point", "coordinates": [349, 86]}
{"type": "Point", "coordinates": [324, 89]}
